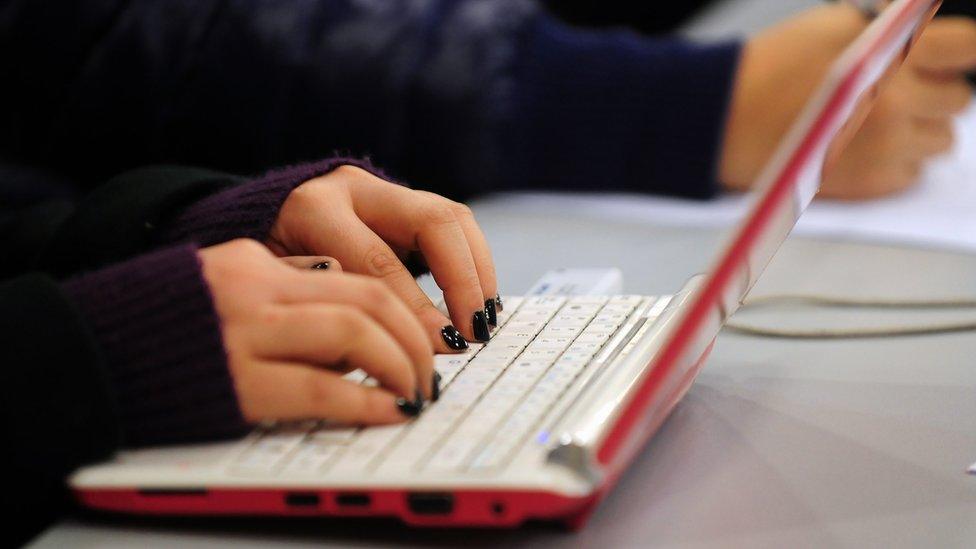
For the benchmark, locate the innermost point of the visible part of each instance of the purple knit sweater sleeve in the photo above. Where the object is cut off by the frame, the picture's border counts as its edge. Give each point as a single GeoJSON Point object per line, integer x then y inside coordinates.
{"type": "Point", "coordinates": [154, 319]}
{"type": "Point", "coordinates": [159, 336]}
{"type": "Point", "coordinates": [250, 209]}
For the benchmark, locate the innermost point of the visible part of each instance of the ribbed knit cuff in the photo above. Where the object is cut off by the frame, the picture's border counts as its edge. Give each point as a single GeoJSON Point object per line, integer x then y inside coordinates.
{"type": "Point", "coordinates": [615, 111]}
{"type": "Point", "coordinates": [249, 210]}
{"type": "Point", "coordinates": [156, 327]}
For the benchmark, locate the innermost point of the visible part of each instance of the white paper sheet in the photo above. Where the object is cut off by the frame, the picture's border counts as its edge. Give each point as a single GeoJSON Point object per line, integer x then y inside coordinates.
{"type": "Point", "coordinates": [940, 211]}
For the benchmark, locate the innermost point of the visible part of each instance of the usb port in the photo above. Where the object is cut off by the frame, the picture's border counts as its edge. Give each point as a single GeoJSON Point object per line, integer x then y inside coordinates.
{"type": "Point", "coordinates": [302, 499]}
{"type": "Point", "coordinates": [353, 499]}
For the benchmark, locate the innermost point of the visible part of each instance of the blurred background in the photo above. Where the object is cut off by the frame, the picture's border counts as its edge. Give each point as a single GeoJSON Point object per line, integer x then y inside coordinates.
{"type": "Point", "coordinates": [936, 212]}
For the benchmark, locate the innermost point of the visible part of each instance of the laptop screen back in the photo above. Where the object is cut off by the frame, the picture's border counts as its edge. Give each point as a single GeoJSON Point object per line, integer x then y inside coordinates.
{"type": "Point", "coordinates": [793, 176]}
{"type": "Point", "coordinates": [811, 148]}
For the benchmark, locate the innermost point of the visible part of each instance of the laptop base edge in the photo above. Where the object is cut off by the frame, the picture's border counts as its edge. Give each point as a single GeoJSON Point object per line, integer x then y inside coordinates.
{"type": "Point", "coordinates": [466, 508]}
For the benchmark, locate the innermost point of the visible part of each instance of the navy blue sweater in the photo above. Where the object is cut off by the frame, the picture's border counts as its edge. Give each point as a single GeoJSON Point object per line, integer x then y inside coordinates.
{"type": "Point", "coordinates": [459, 97]}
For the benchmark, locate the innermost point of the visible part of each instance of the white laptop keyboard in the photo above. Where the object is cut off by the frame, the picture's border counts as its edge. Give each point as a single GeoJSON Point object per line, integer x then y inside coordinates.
{"type": "Point", "coordinates": [493, 397]}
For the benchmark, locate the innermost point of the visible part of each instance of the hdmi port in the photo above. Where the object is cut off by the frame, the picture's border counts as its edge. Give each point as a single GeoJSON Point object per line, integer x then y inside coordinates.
{"type": "Point", "coordinates": [431, 503]}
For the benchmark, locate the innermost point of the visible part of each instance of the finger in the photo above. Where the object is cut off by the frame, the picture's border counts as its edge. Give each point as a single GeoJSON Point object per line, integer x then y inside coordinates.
{"type": "Point", "coordinates": [425, 221]}
{"type": "Point", "coordinates": [872, 166]}
{"type": "Point", "coordinates": [948, 44]}
{"type": "Point", "coordinates": [326, 335]}
{"type": "Point", "coordinates": [936, 97]}
{"type": "Point", "coordinates": [480, 251]}
{"type": "Point", "coordinates": [313, 262]}
{"type": "Point", "coordinates": [286, 391]}
{"type": "Point", "coordinates": [363, 251]}
{"type": "Point", "coordinates": [445, 249]}
{"type": "Point", "coordinates": [893, 179]}
{"type": "Point", "coordinates": [931, 137]}
{"type": "Point", "coordinates": [375, 299]}
{"type": "Point", "coordinates": [894, 171]}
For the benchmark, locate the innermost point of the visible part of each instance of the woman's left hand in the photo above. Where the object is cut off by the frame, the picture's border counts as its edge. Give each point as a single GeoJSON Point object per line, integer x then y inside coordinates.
{"type": "Point", "coordinates": [370, 226]}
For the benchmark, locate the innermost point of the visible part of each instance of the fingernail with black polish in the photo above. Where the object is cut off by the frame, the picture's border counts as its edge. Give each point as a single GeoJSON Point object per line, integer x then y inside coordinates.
{"type": "Point", "coordinates": [481, 330]}
{"type": "Point", "coordinates": [411, 408]}
{"type": "Point", "coordinates": [453, 338]}
{"type": "Point", "coordinates": [323, 266]}
{"type": "Point", "coordinates": [499, 306]}
{"type": "Point", "coordinates": [435, 388]}
{"type": "Point", "coordinates": [407, 407]}
{"type": "Point", "coordinates": [491, 313]}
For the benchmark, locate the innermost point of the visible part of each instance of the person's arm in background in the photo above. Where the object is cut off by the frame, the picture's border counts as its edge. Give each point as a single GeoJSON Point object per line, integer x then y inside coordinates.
{"type": "Point", "coordinates": [910, 123]}
{"type": "Point", "coordinates": [464, 97]}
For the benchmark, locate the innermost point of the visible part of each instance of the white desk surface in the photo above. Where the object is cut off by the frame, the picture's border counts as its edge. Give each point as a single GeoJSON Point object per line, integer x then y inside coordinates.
{"type": "Point", "coordinates": [778, 443]}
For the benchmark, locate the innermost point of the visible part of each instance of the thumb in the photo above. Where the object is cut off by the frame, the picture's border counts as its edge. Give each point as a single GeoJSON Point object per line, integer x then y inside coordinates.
{"type": "Point", "coordinates": [947, 45]}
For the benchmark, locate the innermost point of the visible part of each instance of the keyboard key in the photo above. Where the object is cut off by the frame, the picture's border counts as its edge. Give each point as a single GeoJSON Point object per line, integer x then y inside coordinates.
{"type": "Point", "coordinates": [594, 336]}
{"type": "Point", "coordinates": [611, 317]}
{"type": "Point", "coordinates": [531, 353]}
{"type": "Point", "coordinates": [404, 460]}
{"type": "Point", "coordinates": [562, 331]}
{"type": "Point", "coordinates": [312, 458]}
{"type": "Point", "coordinates": [569, 366]}
{"type": "Point", "coordinates": [271, 448]}
{"type": "Point", "coordinates": [604, 326]}
{"type": "Point", "coordinates": [525, 325]}
{"type": "Point", "coordinates": [585, 347]}
{"type": "Point", "coordinates": [551, 342]}
{"type": "Point", "coordinates": [452, 455]}
{"type": "Point", "coordinates": [333, 434]}
{"type": "Point", "coordinates": [366, 448]}
{"type": "Point", "coordinates": [449, 366]}
{"type": "Point", "coordinates": [632, 300]}
{"type": "Point", "coordinates": [542, 302]}
{"type": "Point", "coordinates": [577, 356]}
{"type": "Point", "coordinates": [452, 362]}
{"type": "Point", "coordinates": [598, 299]}
{"type": "Point", "coordinates": [527, 365]}
{"type": "Point", "coordinates": [506, 345]}
{"type": "Point", "coordinates": [571, 320]}
{"type": "Point", "coordinates": [511, 304]}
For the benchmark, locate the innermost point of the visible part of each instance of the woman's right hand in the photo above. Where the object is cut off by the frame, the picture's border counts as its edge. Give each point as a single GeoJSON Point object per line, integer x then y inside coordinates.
{"type": "Point", "coordinates": [910, 123]}
{"type": "Point", "coordinates": [290, 334]}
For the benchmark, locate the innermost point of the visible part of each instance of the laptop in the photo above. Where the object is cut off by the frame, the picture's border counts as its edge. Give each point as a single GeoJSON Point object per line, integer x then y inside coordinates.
{"type": "Point", "coordinates": [540, 422]}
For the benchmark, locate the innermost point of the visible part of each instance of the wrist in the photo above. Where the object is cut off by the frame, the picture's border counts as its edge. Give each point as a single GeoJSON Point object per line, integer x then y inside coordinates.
{"type": "Point", "coordinates": [741, 148]}
{"type": "Point", "coordinates": [778, 71]}
{"type": "Point", "coordinates": [314, 198]}
{"type": "Point", "coordinates": [248, 210]}
{"type": "Point", "coordinates": [154, 323]}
